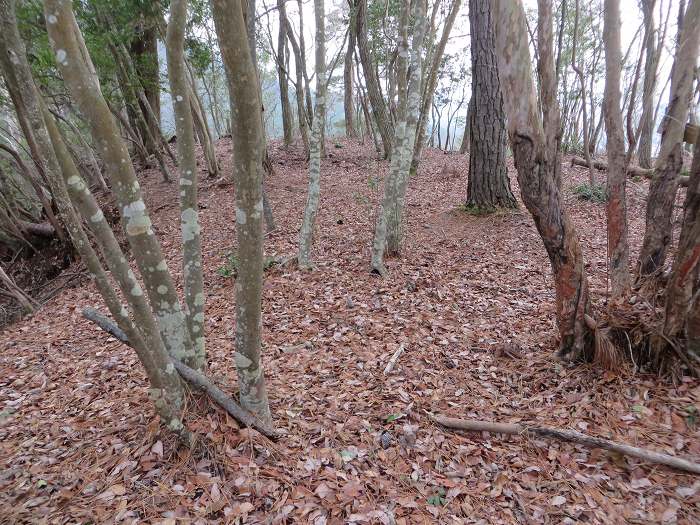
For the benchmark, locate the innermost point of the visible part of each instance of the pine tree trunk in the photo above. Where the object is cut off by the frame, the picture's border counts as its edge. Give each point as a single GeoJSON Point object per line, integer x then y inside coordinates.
{"type": "Point", "coordinates": [248, 146]}
{"type": "Point", "coordinates": [315, 145]}
{"type": "Point", "coordinates": [189, 215]}
{"type": "Point", "coordinates": [658, 235]}
{"type": "Point", "coordinates": [488, 187]}
{"type": "Point", "coordinates": [536, 154]}
{"type": "Point", "coordinates": [81, 81]}
{"type": "Point", "coordinates": [616, 206]}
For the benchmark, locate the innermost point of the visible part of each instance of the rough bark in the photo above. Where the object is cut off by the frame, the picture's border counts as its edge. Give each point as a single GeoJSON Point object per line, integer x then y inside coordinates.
{"type": "Point", "coordinates": [658, 235]}
{"type": "Point", "coordinates": [616, 206]}
{"type": "Point", "coordinates": [488, 185]}
{"type": "Point", "coordinates": [315, 146]}
{"type": "Point", "coordinates": [248, 145]}
{"type": "Point", "coordinates": [536, 154]}
{"type": "Point", "coordinates": [431, 81]}
{"type": "Point", "coordinates": [189, 215]}
{"type": "Point", "coordinates": [78, 74]}
{"type": "Point", "coordinates": [145, 50]}
{"type": "Point", "coordinates": [684, 275]}
{"type": "Point", "coordinates": [380, 111]}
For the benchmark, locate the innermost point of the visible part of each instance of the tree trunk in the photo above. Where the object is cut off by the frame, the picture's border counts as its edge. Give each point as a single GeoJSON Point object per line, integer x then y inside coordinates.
{"type": "Point", "coordinates": [536, 154]}
{"type": "Point", "coordinates": [488, 186]}
{"type": "Point", "coordinates": [658, 235]}
{"type": "Point", "coordinates": [81, 81]}
{"type": "Point", "coordinates": [283, 63]}
{"type": "Point", "coordinates": [431, 82]}
{"type": "Point", "coordinates": [616, 206]}
{"type": "Point", "coordinates": [646, 123]}
{"type": "Point", "coordinates": [301, 111]}
{"type": "Point", "coordinates": [376, 99]}
{"type": "Point", "coordinates": [389, 230]}
{"type": "Point", "coordinates": [144, 49]}
{"type": "Point", "coordinates": [189, 214]}
{"type": "Point", "coordinates": [684, 276]}
{"type": "Point", "coordinates": [311, 209]}
{"type": "Point", "coordinates": [582, 84]}
{"type": "Point", "coordinates": [248, 149]}
{"type": "Point", "coordinates": [349, 105]}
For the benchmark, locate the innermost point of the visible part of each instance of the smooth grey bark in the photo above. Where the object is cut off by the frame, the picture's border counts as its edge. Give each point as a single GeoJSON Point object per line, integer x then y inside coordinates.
{"type": "Point", "coordinates": [389, 228]}
{"type": "Point", "coordinates": [658, 235]}
{"type": "Point", "coordinates": [348, 99]}
{"type": "Point", "coordinates": [166, 392]}
{"type": "Point", "coordinates": [616, 206]}
{"type": "Point", "coordinates": [248, 146]}
{"type": "Point", "coordinates": [399, 145]}
{"type": "Point", "coordinates": [282, 64]}
{"type": "Point", "coordinates": [298, 65]}
{"type": "Point", "coordinates": [78, 73]}
{"type": "Point", "coordinates": [431, 82]}
{"type": "Point", "coordinates": [189, 214]}
{"type": "Point", "coordinates": [582, 85]}
{"type": "Point", "coordinates": [315, 144]}
{"type": "Point", "coordinates": [488, 185]}
{"type": "Point", "coordinates": [394, 213]}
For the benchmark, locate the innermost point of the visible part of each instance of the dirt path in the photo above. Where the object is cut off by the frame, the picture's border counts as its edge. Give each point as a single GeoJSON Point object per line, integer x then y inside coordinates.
{"type": "Point", "coordinates": [78, 435]}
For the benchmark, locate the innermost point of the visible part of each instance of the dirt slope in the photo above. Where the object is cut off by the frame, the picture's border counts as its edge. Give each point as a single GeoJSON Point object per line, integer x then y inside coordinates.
{"type": "Point", "coordinates": [79, 440]}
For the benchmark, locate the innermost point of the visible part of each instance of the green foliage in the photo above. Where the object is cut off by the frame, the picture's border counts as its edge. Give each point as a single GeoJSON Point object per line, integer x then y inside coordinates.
{"type": "Point", "coordinates": [478, 211]}
{"type": "Point", "coordinates": [438, 499]}
{"type": "Point", "coordinates": [596, 193]}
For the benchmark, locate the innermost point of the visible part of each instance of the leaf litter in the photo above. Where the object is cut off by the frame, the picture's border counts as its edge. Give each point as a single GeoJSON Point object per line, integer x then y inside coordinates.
{"type": "Point", "coordinates": [472, 302]}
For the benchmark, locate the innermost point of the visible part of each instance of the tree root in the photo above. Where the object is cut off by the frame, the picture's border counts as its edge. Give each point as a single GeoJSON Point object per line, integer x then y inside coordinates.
{"type": "Point", "coordinates": [193, 377]}
{"type": "Point", "coordinates": [570, 436]}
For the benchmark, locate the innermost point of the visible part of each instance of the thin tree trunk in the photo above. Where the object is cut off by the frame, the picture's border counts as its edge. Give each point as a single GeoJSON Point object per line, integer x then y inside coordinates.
{"type": "Point", "coordinates": [431, 82]}
{"type": "Point", "coordinates": [389, 231]}
{"type": "Point", "coordinates": [683, 282]}
{"type": "Point", "coordinates": [79, 77]}
{"type": "Point", "coordinates": [646, 123]}
{"type": "Point", "coordinates": [488, 185]}
{"type": "Point", "coordinates": [287, 125]}
{"type": "Point", "coordinates": [311, 208]}
{"type": "Point", "coordinates": [248, 145]}
{"type": "Point", "coordinates": [189, 215]}
{"type": "Point", "coordinates": [376, 99]}
{"type": "Point", "coordinates": [582, 84]}
{"type": "Point", "coordinates": [301, 112]}
{"type": "Point", "coordinates": [348, 105]}
{"type": "Point", "coordinates": [616, 206]}
{"type": "Point", "coordinates": [658, 235]}
{"type": "Point", "coordinates": [535, 149]}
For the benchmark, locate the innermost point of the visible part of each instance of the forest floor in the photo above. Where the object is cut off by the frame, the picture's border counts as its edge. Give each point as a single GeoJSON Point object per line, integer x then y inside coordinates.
{"type": "Point", "coordinates": [80, 442]}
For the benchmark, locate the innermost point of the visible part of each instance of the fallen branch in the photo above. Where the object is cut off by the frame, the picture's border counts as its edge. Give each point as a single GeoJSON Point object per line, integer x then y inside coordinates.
{"type": "Point", "coordinates": [192, 376]}
{"type": "Point", "coordinates": [568, 435]}
{"type": "Point", "coordinates": [394, 358]}
{"type": "Point", "coordinates": [633, 171]}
